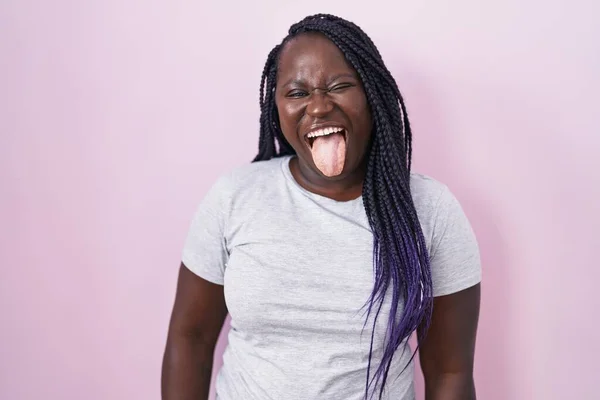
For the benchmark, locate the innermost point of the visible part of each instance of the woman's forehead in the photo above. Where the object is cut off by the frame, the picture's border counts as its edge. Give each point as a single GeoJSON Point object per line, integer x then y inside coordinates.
{"type": "Point", "coordinates": [309, 54]}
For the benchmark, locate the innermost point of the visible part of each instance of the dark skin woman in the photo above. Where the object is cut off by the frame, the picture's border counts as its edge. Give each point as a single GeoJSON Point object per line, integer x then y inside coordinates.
{"type": "Point", "coordinates": [327, 112]}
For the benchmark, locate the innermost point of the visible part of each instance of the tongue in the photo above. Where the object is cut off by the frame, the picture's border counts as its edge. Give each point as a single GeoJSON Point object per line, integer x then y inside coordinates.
{"type": "Point", "coordinates": [329, 154]}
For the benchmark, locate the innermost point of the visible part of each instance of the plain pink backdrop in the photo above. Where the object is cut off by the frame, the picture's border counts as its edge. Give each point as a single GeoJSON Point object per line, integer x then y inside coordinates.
{"type": "Point", "coordinates": [116, 116]}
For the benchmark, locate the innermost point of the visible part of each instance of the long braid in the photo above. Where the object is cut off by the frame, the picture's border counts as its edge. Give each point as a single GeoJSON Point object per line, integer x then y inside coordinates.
{"type": "Point", "coordinates": [269, 121]}
{"type": "Point", "coordinates": [400, 259]}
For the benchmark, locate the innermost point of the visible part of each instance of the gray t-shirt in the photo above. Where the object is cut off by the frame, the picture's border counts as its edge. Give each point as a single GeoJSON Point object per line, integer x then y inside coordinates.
{"type": "Point", "coordinates": [297, 269]}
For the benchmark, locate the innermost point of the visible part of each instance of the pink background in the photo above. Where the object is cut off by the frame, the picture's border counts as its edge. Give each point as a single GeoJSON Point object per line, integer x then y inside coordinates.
{"type": "Point", "coordinates": [115, 117]}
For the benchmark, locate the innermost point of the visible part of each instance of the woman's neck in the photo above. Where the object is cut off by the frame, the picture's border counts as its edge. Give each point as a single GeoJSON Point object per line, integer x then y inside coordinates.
{"type": "Point", "coordinates": [344, 188]}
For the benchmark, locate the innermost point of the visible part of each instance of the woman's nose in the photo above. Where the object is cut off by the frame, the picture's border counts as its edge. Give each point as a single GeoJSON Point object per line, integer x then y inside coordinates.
{"type": "Point", "coordinates": [319, 103]}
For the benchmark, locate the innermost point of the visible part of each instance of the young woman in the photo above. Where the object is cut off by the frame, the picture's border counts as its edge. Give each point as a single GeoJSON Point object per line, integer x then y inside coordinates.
{"type": "Point", "coordinates": [327, 251]}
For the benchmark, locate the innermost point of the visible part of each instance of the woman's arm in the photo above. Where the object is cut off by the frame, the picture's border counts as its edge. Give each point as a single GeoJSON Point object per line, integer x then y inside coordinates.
{"type": "Point", "coordinates": [447, 352]}
{"type": "Point", "coordinates": [196, 321]}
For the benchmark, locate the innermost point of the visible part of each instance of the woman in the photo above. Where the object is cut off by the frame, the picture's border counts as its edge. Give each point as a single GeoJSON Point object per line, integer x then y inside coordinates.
{"type": "Point", "coordinates": [327, 251]}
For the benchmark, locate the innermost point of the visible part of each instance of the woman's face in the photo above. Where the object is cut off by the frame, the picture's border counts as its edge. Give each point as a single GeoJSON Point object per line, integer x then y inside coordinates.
{"type": "Point", "coordinates": [323, 109]}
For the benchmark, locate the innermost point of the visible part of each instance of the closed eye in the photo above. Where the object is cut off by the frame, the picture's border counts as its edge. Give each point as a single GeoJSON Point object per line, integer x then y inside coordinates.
{"type": "Point", "coordinates": [340, 87]}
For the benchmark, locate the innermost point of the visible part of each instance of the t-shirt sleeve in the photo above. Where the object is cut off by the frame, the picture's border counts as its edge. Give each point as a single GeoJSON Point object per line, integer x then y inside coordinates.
{"type": "Point", "coordinates": [205, 251]}
{"type": "Point", "coordinates": [454, 256]}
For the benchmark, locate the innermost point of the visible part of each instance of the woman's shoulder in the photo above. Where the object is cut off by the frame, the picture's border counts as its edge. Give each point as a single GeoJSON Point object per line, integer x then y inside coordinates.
{"type": "Point", "coordinates": [253, 170]}
{"type": "Point", "coordinates": [251, 176]}
{"type": "Point", "coordinates": [434, 200]}
{"type": "Point", "coordinates": [426, 190]}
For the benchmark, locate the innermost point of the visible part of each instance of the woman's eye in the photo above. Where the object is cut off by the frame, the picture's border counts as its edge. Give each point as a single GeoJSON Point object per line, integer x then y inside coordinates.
{"type": "Point", "coordinates": [340, 87]}
{"type": "Point", "coordinates": [296, 94]}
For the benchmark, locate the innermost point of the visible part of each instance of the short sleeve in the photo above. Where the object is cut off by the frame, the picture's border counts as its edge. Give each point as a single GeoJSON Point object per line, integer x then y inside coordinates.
{"type": "Point", "coordinates": [454, 255]}
{"type": "Point", "coordinates": [205, 252]}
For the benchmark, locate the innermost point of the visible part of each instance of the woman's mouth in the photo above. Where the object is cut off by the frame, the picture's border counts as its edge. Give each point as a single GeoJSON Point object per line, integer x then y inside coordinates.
{"type": "Point", "coordinates": [328, 149]}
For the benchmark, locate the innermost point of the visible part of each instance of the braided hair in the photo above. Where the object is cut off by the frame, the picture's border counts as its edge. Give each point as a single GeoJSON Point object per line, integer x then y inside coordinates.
{"type": "Point", "coordinates": [400, 257]}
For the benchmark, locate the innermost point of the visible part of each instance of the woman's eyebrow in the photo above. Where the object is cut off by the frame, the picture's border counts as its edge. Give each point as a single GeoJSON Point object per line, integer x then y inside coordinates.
{"type": "Point", "coordinates": [294, 81]}
{"type": "Point", "coordinates": [300, 82]}
{"type": "Point", "coordinates": [343, 75]}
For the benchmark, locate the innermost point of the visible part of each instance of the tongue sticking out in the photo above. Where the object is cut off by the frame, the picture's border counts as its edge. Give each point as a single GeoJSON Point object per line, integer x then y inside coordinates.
{"type": "Point", "coordinates": [329, 154]}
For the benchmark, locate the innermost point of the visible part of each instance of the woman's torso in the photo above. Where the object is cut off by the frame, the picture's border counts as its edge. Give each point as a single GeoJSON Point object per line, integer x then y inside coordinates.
{"type": "Point", "coordinates": [298, 276]}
